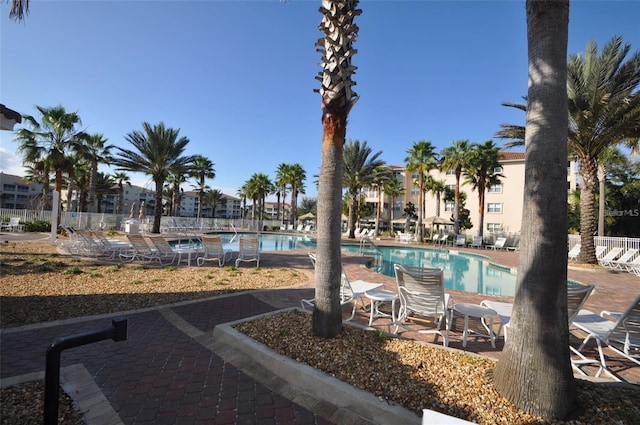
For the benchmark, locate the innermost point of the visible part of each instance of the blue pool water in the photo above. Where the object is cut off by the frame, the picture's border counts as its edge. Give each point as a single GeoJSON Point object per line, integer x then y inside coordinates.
{"type": "Point", "coordinates": [462, 272]}
{"type": "Point", "coordinates": [269, 242]}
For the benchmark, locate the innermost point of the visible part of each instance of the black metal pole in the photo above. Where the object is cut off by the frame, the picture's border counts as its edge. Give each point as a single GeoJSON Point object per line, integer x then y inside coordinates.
{"type": "Point", "coordinates": [117, 331]}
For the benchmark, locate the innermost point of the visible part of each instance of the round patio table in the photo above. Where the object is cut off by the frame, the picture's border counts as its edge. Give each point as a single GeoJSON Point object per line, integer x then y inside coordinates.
{"type": "Point", "coordinates": [475, 310]}
{"type": "Point", "coordinates": [379, 296]}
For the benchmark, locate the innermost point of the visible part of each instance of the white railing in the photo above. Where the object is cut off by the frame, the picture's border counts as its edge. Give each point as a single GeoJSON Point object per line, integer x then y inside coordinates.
{"type": "Point", "coordinates": [609, 242]}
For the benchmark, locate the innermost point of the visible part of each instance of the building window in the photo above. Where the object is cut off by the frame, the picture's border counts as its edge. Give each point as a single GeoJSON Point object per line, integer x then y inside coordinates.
{"type": "Point", "coordinates": [494, 207]}
{"type": "Point", "coordinates": [494, 227]}
{"type": "Point", "coordinates": [414, 176]}
{"type": "Point", "coordinates": [415, 191]}
{"type": "Point", "coordinates": [496, 188]}
{"type": "Point", "coordinates": [448, 206]}
{"type": "Point", "coordinates": [497, 170]}
{"type": "Point", "coordinates": [451, 172]}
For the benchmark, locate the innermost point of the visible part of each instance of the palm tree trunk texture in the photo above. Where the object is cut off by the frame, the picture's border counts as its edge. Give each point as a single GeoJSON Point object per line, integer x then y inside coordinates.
{"type": "Point", "coordinates": [534, 371]}
{"type": "Point", "coordinates": [327, 314]}
{"type": "Point", "coordinates": [588, 170]}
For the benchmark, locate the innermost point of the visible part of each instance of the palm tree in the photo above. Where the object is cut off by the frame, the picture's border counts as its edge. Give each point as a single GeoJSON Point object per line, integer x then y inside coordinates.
{"type": "Point", "coordinates": [437, 188]}
{"type": "Point", "coordinates": [483, 171]}
{"type": "Point", "coordinates": [338, 97]}
{"type": "Point", "coordinates": [421, 159]}
{"type": "Point", "coordinates": [94, 150]}
{"type": "Point", "coordinates": [455, 158]}
{"type": "Point", "coordinates": [201, 169]}
{"type": "Point", "coordinates": [158, 150]}
{"type": "Point", "coordinates": [213, 197]}
{"type": "Point", "coordinates": [104, 186]}
{"type": "Point", "coordinates": [604, 111]}
{"type": "Point", "coordinates": [296, 176]}
{"type": "Point", "coordinates": [176, 178]}
{"type": "Point", "coordinates": [38, 173]}
{"type": "Point", "coordinates": [50, 142]}
{"type": "Point", "coordinates": [392, 188]}
{"type": "Point", "coordinates": [539, 319]}
{"type": "Point", "coordinates": [282, 182]}
{"type": "Point", "coordinates": [381, 175]}
{"type": "Point", "coordinates": [359, 167]}
{"type": "Point", "coordinates": [19, 10]}
{"type": "Point", "coordinates": [243, 193]}
{"type": "Point", "coordinates": [120, 179]}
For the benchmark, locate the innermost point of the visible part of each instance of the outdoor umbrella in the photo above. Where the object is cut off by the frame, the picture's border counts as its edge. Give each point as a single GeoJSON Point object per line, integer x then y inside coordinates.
{"type": "Point", "coordinates": [143, 212]}
{"type": "Point", "coordinates": [307, 216]}
{"type": "Point", "coordinates": [132, 213]}
{"type": "Point", "coordinates": [438, 220]}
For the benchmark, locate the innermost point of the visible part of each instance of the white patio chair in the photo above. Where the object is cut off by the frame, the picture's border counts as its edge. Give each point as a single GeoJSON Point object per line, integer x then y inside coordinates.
{"type": "Point", "coordinates": [625, 258]}
{"type": "Point", "coordinates": [573, 253]}
{"type": "Point", "coordinates": [13, 225]}
{"type": "Point", "coordinates": [499, 244]}
{"type": "Point", "coordinates": [140, 250]}
{"type": "Point", "coordinates": [350, 292]}
{"type": "Point", "coordinates": [621, 335]}
{"type": "Point", "coordinates": [610, 256]}
{"type": "Point", "coordinates": [421, 293]}
{"type": "Point", "coordinates": [461, 240]}
{"type": "Point", "coordinates": [576, 297]}
{"type": "Point", "coordinates": [249, 250]}
{"type": "Point", "coordinates": [477, 242]}
{"type": "Point", "coordinates": [213, 250]}
{"type": "Point", "coordinates": [163, 251]}
{"type": "Point", "coordinates": [435, 239]}
{"type": "Point", "coordinates": [600, 250]}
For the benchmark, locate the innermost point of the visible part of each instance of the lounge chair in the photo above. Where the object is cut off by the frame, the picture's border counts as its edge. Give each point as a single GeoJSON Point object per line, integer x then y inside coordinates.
{"type": "Point", "coordinates": [477, 242]}
{"type": "Point", "coordinates": [421, 292]}
{"type": "Point", "coordinates": [633, 266]}
{"type": "Point", "coordinates": [350, 292]}
{"type": "Point", "coordinates": [162, 249]}
{"type": "Point", "coordinates": [435, 239]}
{"type": "Point", "coordinates": [610, 256]}
{"type": "Point", "coordinates": [113, 246]}
{"type": "Point", "coordinates": [576, 297]}
{"type": "Point", "coordinates": [625, 258]}
{"type": "Point", "coordinates": [499, 244]}
{"type": "Point", "coordinates": [249, 250]}
{"type": "Point", "coordinates": [444, 240]}
{"type": "Point", "coordinates": [213, 250]}
{"type": "Point", "coordinates": [621, 335]}
{"type": "Point", "coordinates": [600, 250]}
{"type": "Point", "coordinates": [461, 240]}
{"type": "Point", "coordinates": [573, 253]}
{"type": "Point", "coordinates": [140, 250]}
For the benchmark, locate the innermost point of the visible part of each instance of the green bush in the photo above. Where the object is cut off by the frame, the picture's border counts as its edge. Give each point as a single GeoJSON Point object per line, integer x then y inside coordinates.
{"type": "Point", "coordinates": [37, 226]}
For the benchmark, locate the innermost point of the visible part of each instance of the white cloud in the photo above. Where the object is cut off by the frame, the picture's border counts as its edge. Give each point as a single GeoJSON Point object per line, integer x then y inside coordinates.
{"type": "Point", "coordinates": [10, 163]}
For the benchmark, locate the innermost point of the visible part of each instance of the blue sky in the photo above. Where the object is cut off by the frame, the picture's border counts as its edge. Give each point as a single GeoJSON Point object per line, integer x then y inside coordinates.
{"type": "Point", "coordinates": [237, 77]}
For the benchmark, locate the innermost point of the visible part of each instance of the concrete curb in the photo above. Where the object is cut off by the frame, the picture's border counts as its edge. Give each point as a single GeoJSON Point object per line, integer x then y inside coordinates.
{"type": "Point", "coordinates": [351, 405]}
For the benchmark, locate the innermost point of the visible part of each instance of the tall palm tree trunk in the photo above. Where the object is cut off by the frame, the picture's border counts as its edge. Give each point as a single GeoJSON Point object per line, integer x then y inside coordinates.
{"type": "Point", "coordinates": [534, 371]}
{"type": "Point", "coordinates": [588, 169]}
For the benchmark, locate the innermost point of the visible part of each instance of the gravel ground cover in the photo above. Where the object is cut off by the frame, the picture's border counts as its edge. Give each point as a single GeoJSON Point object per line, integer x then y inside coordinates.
{"type": "Point", "coordinates": [33, 277]}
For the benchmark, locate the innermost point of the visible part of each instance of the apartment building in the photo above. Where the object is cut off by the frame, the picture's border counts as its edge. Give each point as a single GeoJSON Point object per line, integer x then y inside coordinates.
{"type": "Point", "coordinates": [503, 202]}
{"type": "Point", "coordinates": [17, 193]}
{"type": "Point", "coordinates": [229, 207]}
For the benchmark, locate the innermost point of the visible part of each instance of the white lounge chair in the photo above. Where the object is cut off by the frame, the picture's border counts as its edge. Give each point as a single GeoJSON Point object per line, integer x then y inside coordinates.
{"type": "Point", "coordinates": [625, 258]}
{"type": "Point", "coordinates": [435, 239]}
{"type": "Point", "coordinates": [610, 256]}
{"type": "Point", "coordinates": [573, 253]}
{"type": "Point", "coordinates": [213, 250]}
{"type": "Point", "coordinates": [600, 250]}
{"type": "Point", "coordinates": [140, 250]}
{"type": "Point", "coordinates": [461, 240]}
{"type": "Point", "coordinates": [421, 293]}
{"type": "Point", "coordinates": [621, 335]}
{"type": "Point", "coordinates": [499, 244]}
{"type": "Point", "coordinates": [477, 242]}
{"type": "Point", "coordinates": [163, 251]}
{"type": "Point", "coordinates": [350, 292]}
{"type": "Point", "coordinates": [633, 266]}
{"type": "Point", "coordinates": [249, 250]}
{"type": "Point", "coordinates": [576, 297]}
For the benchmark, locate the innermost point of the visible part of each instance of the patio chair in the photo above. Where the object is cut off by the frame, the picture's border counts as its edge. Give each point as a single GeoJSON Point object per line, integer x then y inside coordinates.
{"type": "Point", "coordinates": [576, 297]}
{"type": "Point", "coordinates": [163, 251]}
{"type": "Point", "coordinates": [610, 256]}
{"type": "Point", "coordinates": [600, 250]}
{"type": "Point", "coordinates": [573, 253]}
{"type": "Point", "coordinates": [140, 250]}
{"type": "Point", "coordinates": [435, 239]}
{"type": "Point", "coordinates": [13, 225]}
{"type": "Point", "coordinates": [632, 266]}
{"type": "Point", "coordinates": [444, 240]}
{"type": "Point", "coordinates": [350, 292]}
{"type": "Point", "coordinates": [477, 242]}
{"type": "Point", "coordinates": [498, 244]}
{"type": "Point", "coordinates": [621, 335]}
{"type": "Point", "coordinates": [422, 296]}
{"type": "Point", "coordinates": [624, 259]}
{"type": "Point", "coordinates": [112, 246]}
{"type": "Point", "coordinates": [249, 250]}
{"type": "Point", "coordinates": [461, 240]}
{"type": "Point", "coordinates": [213, 250]}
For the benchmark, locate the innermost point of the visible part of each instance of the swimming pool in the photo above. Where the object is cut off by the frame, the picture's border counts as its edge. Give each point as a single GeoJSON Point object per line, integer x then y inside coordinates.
{"type": "Point", "coordinates": [462, 272]}
{"type": "Point", "coordinates": [269, 242]}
